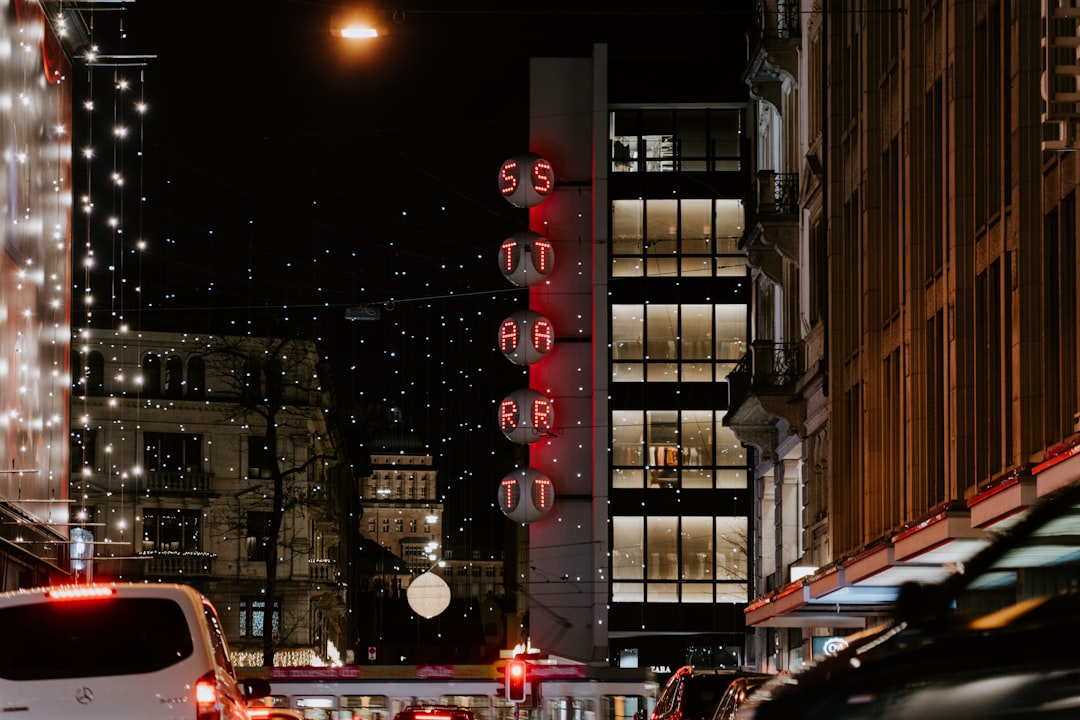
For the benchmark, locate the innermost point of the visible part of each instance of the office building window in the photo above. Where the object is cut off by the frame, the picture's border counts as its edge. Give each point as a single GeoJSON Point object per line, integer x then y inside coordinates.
{"type": "Point", "coordinates": [174, 377]}
{"type": "Point", "coordinates": [258, 534]}
{"type": "Point", "coordinates": [171, 530]}
{"type": "Point", "coordinates": [252, 610]}
{"type": "Point", "coordinates": [676, 343]}
{"type": "Point", "coordinates": [83, 452]}
{"type": "Point", "coordinates": [689, 449]}
{"type": "Point", "coordinates": [691, 139]}
{"type": "Point", "coordinates": [172, 452]}
{"type": "Point", "coordinates": [196, 382]}
{"type": "Point", "coordinates": [151, 375]}
{"type": "Point", "coordinates": [691, 559]}
{"type": "Point", "coordinates": [677, 238]}
{"type": "Point", "coordinates": [260, 459]}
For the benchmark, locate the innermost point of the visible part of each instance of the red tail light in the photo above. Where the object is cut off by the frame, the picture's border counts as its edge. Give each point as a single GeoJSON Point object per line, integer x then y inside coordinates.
{"type": "Point", "coordinates": [207, 703]}
{"type": "Point", "coordinates": [80, 592]}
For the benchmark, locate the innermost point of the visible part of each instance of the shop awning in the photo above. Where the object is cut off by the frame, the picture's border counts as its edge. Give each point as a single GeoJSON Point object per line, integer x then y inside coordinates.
{"type": "Point", "coordinates": [858, 590]}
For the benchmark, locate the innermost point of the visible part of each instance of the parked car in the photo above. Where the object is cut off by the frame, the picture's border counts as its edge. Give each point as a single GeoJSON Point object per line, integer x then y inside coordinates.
{"type": "Point", "coordinates": [274, 713]}
{"type": "Point", "coordinates": [117, 651]}
{"type": "Point", "coordinates": [736, 694]}
{"type": "Point", "coordinates": [990, 641]}
{"type": "Point", "coordinates": [694, 693]}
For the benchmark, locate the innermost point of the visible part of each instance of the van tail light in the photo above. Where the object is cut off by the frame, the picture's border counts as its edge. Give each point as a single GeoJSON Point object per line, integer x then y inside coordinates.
{"type": "Point", "coordinates": [80, 592]}
{"type": "Point", "coordinates": [207, 705]}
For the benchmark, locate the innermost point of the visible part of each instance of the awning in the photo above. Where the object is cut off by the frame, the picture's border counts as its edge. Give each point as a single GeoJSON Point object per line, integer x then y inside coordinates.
{"type": "Point", "coordinates": [858, 590]}
{"type": "Point", "coordinates": [865, 585]}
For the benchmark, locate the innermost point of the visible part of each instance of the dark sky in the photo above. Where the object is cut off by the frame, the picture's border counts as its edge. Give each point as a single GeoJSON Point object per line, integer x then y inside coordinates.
{"type": "Point", "coordinates": [279, 178]}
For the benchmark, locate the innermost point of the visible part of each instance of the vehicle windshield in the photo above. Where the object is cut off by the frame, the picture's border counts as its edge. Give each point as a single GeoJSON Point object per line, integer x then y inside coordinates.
{"type": "Point", "coordinates": [92, 638]}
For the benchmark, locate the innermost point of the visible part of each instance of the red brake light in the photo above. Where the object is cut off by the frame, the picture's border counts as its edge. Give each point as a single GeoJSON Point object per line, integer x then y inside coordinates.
{"type": "Point", "coordinates": [206, 698]}
{"type": "Point", "coordinates": [431, 716]}
{"type": "Point", "coordinates": [80, 592]}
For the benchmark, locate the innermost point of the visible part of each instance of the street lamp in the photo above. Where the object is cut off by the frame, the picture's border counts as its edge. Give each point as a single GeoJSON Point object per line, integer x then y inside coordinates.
{"type": "Point", "coordinates": [359, 23]}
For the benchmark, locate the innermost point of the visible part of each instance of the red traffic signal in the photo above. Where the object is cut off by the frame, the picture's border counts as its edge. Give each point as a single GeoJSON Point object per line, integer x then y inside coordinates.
{"type": "Point", "coordinates": [516, 677]}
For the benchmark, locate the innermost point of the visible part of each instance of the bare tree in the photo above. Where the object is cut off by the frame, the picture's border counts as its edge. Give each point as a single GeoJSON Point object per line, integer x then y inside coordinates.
{"type": "Point", "coordinates": [273, 388]}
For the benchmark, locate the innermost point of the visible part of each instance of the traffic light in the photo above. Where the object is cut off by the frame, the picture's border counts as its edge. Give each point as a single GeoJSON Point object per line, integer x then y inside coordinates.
{"type": "Point", "coordinates": [515, 680]}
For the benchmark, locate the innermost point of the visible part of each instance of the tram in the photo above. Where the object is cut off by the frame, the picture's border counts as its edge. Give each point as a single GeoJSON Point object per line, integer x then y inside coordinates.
{"type": "Point", "coordinates": [371, 692]}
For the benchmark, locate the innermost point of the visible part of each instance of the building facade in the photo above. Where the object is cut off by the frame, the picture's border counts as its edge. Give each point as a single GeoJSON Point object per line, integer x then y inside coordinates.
{"type": "Point", "coordinates": [175, 477]}
{"type": "Point", "coordinates": [35, 291]}
{"type": "Point", "coordinates": [643, 560]}
{"type": "Point", "coordinates": [402, 537]}
{"type": "Point", "coordinates": [403, 515]}
{"type": "Point", "coordinates": [912, 381]}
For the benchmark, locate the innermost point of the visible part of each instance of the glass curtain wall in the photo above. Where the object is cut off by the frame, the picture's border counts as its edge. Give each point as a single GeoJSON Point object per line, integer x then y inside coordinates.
{"type": "Point", "coordinates": [693, 244]}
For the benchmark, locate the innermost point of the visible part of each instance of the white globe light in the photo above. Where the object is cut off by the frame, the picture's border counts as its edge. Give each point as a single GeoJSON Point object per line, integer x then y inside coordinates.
{"type": "Point", "coordinates": [428, 595]}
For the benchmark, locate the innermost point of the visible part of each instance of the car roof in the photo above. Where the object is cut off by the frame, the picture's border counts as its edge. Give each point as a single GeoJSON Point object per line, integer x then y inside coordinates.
{"type": "Point", "coordinates": [437, 709]}
{"type": "Point", "coordinates": [274, 713]}
{"type": "Point", "coordinates": [693, 670]}
{"type": "Point", "coordinates": [45, 592]}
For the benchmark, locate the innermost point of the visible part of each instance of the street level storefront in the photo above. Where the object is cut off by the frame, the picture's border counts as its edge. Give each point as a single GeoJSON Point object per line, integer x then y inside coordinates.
{"type": "Point", "coordinates": [860, 589]}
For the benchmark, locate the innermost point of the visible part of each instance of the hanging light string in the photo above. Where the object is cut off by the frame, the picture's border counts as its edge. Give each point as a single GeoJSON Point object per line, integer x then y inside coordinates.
{"type": "Point", "coordinates": [139, 247]}
{"type": "Point", "coordinates": [82, 335]}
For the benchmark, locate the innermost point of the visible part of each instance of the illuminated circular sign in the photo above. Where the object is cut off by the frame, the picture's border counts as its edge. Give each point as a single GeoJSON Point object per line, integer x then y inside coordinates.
{"type": "Point", "coordinates": [526, 337]}
{"type": "Point", "coordinates": [526, 416]}
{"type": "Point", "coordinates": [526, 258]}
{"type": "Point", "coordinates": [525, 180]}
{"type": "Point", "coordinates": [526, 495]}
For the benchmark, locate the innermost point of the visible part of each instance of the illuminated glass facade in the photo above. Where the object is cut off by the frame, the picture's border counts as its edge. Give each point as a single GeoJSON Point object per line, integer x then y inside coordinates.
{"type": "Point", "coordinates": [678, 324]}
{"type": "Point", "coordinates": [35, 295]}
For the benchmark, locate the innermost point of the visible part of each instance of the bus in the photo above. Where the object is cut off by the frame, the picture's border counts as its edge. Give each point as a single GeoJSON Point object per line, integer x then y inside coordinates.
{"type": "Point", "coordinates": [555, 691]}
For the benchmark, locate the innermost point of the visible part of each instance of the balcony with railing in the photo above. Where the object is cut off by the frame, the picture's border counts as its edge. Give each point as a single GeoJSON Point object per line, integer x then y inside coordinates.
{"type": "Point", "coordinates": [169, 564]}
{"type": "Point", "coordinates": [774, 54]}
{"type": "Point", "coordinates": [323, 570]}
{"type": "Point", "coordinates": [778, 19]}
{"type": "Point", "coordinates": [764, 394]}
{"type": "Point", "coordinates": [771, 237]}
{"type": "Point", "coordinates": [197, 482]}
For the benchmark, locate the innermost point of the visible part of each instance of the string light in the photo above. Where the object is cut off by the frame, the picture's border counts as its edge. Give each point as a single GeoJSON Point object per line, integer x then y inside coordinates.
{"type": "Point", "coordinates": [431, 353]}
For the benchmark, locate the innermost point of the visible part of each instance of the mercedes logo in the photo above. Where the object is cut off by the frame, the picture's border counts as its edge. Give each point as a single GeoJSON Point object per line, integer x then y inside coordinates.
{"type": "Point", "coordinates": [84, 696]}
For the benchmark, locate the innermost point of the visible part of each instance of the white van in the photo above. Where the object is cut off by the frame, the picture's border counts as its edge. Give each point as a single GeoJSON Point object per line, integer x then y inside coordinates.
{"type": "Point", "coordinates": [116, 651]}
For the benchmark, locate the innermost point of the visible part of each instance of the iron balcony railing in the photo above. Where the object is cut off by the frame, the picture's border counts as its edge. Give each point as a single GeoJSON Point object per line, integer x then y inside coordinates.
{"type": "Point", "coordinates": [777, 193]}
{"type": "Point", "coordinates": [769, 368]}
{"type": "Point", "coordinates": [173, 564]}
{"type": "Point", "coordinates": [179, 481]}
{"type": "Point", "coordinates": [779, 19]}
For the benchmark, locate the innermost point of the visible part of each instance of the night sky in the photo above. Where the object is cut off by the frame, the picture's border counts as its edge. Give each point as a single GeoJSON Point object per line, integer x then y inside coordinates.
{"type": "Point", "coordinates": [278, 178]}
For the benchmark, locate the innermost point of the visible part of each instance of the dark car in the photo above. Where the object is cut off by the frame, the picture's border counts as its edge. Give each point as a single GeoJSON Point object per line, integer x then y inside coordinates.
{"type": "Point", "coordinates": [434, 712]}
{"type": "Point", "coordinates": [736, 694]}
{"type": "Point", "coordinates": [694, 693]}
{"type": "Point", "coordinates": [992, 641]}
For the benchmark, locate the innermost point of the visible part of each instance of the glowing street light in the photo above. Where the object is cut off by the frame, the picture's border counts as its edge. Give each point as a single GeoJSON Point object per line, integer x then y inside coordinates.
{"type": "Point", "coordinates": [356, 25]}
